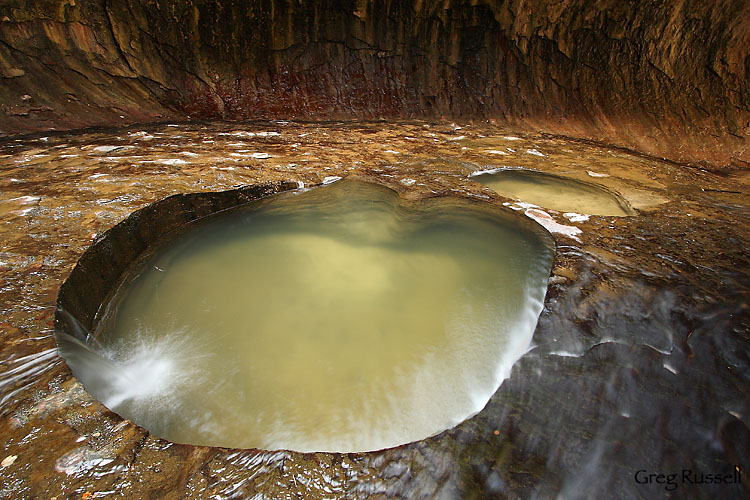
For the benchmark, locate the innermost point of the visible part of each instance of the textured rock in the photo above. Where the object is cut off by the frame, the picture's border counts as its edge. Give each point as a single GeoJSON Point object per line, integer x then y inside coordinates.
{"type": "Point", "coordinates": [640, 359]}
{"type": "Point", "coordinates": [667, 78]}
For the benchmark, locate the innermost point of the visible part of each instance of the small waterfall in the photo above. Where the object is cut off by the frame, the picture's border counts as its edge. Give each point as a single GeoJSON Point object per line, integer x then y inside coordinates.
{"type": "Point", "coordinates": [144, 371]}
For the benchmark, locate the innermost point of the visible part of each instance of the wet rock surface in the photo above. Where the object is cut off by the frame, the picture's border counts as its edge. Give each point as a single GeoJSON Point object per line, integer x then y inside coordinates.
{"type": "Point", "coordinates": [669, 78]}
{"type": "Point", "coordinates": [639, 360]}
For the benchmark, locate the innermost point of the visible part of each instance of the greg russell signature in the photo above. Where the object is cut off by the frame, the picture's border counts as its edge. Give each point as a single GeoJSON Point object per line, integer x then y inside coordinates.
{"type": "Point", "coordinates": [688, 476]}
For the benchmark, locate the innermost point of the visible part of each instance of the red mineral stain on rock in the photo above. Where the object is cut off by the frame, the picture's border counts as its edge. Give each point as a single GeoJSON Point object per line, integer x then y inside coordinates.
{"type": "Point", "coordinates": [668, 79]}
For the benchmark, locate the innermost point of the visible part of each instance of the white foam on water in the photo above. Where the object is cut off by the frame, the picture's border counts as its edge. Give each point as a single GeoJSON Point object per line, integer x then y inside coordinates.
{"type": "Point", "coordinates": [524, 205]}
{"type": "Point", "coordinates": [171, 161]}
{"type": "Point", "coordinates": [242, 133]}
{"type": "Point", "coordinates": [669, 367]}
{"type": "Point", "coordinates": [551, 225]}
{"type": "Point", "coordinates": [106, 149]}
{"type": "Point", "coordinates": [146, 374]}
{"type": "Point", "coordinates": [486, 171]}
{"type": "Point", "coordinates": [26, 200]}
{"type": "Point", "coordinates": [145, 371]}
{"type": "Point", "coordinates": [576, 217]}
{"type": "Point", "coordinates": [314, 364]}
{"type": "Point", "coordinates": [566, 354]}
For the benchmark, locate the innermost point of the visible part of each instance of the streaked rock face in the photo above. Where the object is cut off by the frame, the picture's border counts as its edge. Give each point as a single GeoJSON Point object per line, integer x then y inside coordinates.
{"type": "Point", "coordinates": [666, 78]}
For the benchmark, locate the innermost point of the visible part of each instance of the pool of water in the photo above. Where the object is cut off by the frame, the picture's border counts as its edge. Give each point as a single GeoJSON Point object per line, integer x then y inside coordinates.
{"type": "Point", "coordinates": [340, 318]}
{"type": "Point", "coordinates": [555, 192]}
{"type": "Point", "coordinates": [643, 321]}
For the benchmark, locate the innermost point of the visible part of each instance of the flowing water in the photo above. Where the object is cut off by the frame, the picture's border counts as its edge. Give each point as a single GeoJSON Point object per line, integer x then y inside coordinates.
{"type": "Point", "coordinates": [554, 192]}
{"type": "Point", "coordinates": [336, 319]}
{"type": "Point", "coordinates": [638, 360]}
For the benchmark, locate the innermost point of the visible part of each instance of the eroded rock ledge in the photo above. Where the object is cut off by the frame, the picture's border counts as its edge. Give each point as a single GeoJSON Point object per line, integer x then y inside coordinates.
{"type": "Point", "coordinates": [667, 78]}
{"type": "Point", "coordinates": [640, 359]}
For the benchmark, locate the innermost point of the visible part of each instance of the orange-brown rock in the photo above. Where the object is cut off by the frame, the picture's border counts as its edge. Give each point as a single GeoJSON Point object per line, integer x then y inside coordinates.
{"type": "Point", "coordinates": [667, 78]}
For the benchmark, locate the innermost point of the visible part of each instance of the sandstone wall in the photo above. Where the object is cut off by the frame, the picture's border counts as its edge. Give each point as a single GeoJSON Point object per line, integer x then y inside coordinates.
{"type": "Point", "coordinates": [669, 78]}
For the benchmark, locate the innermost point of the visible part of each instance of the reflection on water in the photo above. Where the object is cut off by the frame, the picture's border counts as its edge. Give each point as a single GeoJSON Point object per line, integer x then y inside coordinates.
{"type": "Point", "coordinates": [640, 355]}
{"type": "Point", "coordinates": [335, 319]}
{"type": "Point", "coordinates": [554, 192]}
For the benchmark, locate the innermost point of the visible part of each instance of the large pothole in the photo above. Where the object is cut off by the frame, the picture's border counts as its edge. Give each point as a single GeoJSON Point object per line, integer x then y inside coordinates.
{"type": "Point", "coordinates": [341, 318]}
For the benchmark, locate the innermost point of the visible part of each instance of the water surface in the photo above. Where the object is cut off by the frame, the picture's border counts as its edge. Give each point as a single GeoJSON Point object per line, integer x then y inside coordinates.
{"type": "Point", "coordinates": [336, 319]}
{"type": "Point", "coordinates": [597, 370]}
{"type": "Point", "coordinates": [555, 192]}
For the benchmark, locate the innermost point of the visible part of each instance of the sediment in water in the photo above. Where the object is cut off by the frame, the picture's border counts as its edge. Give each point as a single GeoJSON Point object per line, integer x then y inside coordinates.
{"type": "Point", "coordinates": [335, 319]}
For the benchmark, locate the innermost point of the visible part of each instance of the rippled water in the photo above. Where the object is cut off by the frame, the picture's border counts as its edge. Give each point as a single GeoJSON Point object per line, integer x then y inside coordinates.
{"type": "Point", "coordinates": [335, 319]}
{"type": "Point", "coordinates": [637, 361]}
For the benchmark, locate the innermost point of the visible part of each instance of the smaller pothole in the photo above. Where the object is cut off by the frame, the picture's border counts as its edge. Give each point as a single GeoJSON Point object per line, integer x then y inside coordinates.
{"type": "Point", "coordinates": [555, 192]}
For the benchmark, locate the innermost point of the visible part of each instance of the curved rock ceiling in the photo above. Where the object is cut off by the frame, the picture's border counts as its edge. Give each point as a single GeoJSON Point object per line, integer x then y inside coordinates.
{"type": "Point", "coordinates": [668, 78]}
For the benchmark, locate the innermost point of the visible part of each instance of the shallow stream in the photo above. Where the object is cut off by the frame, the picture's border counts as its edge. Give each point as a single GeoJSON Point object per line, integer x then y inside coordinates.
{"type": "Point", "coordinates": [638, 361]}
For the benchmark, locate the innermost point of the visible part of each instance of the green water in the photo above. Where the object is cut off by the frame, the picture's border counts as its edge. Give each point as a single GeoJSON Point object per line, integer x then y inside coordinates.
{"type": "Point", "coordinates": [555, 193]}
{"type": "Point", "coordinates": [336, 319]}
